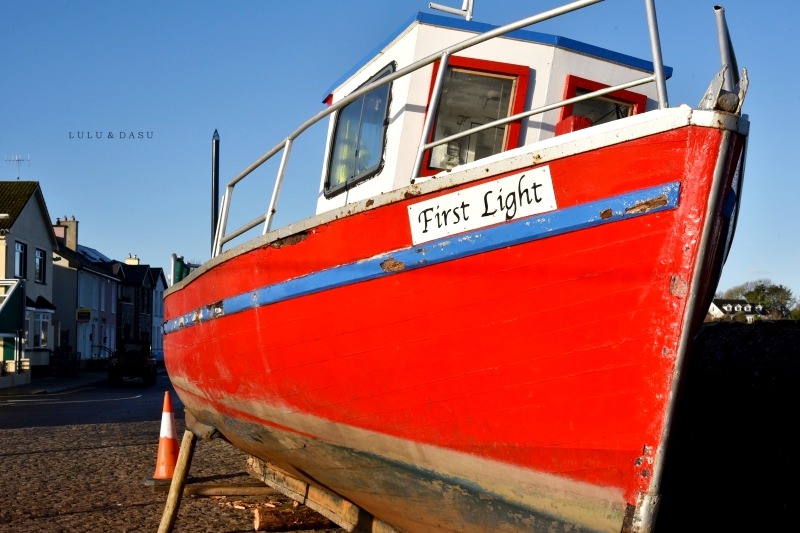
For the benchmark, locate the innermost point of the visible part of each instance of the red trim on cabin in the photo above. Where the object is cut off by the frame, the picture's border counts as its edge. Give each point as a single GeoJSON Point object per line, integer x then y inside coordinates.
{"type": "Point", "coordinates": [569, 122]}
{"type": "Point", "coordinates": [520, 72]}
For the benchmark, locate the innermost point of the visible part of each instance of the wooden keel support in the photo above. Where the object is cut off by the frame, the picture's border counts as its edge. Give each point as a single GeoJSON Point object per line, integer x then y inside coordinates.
{"type": "Point", "coordinates": [228, 490]}
{"type": "Point", "coordinates": [270, 519]}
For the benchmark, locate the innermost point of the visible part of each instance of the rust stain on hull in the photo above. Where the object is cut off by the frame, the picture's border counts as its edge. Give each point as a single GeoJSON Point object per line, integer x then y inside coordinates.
{"type": "Point", "coordinates": [647, 205]}
{"type": "Point", "coordinates": [678, 287]}
{"type": "Point", "coordinates": [290, 240]}
{"type": "Point", "coordinates": [391, 265]}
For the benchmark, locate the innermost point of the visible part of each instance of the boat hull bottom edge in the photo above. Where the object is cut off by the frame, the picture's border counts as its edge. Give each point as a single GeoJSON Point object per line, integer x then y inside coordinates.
{"type": "Point", "coordinates": [354, 488]}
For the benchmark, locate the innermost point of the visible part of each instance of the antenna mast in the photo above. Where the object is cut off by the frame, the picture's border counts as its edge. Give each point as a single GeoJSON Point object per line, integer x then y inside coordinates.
{"type": "Point", "coordinates": [18, 161]}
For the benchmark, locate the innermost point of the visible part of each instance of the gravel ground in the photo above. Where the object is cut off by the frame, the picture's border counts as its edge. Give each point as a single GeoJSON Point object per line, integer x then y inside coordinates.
{"type": "Point", "coordinates": [86, 478]}
{"type": "Point", "coordinates": [730, 465]}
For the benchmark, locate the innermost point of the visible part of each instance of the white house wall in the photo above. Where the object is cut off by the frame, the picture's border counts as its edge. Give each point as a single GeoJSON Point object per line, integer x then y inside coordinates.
{"type": "Point", "coordinates": [98, 293]}
{"type": "Point", "coordinates": [65, 281]}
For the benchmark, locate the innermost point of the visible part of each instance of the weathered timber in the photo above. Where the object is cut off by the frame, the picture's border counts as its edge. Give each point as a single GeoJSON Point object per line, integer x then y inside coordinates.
{"type": "Point", "coordinates": [218, 489]}
{"type": "Point", "coordinates": [266, 518]}
{"type": "Point", "coordinates": [178, 481]}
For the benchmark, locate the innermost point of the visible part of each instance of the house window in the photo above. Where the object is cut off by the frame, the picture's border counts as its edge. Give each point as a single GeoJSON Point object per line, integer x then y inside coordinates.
{"type": "Point", "coordinates": [359, 137]}
{"type": "Point", "coordinates": [39, 327]}
{"type": "Point", "coordinates": [598, 110]}
{"type": "Point", "coordinates": [20, 260]}
{"type": "Point", "coordinates": [40, 259]}
{"type": "Point", "coordinates": [474, 93]}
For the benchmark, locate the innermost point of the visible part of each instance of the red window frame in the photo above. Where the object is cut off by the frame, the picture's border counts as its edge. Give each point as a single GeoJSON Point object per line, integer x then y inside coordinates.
{"type": "Point", "coordinates": [520, 72]}
{"type": "Point", "coordinates": [573, 83]}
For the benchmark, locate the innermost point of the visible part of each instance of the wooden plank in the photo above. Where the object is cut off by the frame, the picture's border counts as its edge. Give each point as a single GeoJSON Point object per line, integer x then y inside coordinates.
{"type": "Point", "coordinates": [330, 505]}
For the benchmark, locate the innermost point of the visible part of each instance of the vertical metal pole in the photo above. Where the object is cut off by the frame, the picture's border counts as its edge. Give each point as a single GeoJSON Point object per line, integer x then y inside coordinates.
{"type": "Point", "coordinates": [214, 186]}
{"type": "Point", "coordinates": [727, 57]}
{"type": "Point", "coordinates": [273, 202]}
{"type": "Point", "coordinates": [223, 221]}
{"type": "Point", "coordinates": [466, 7]}
{"type": "Point", "coordinates": [655, 45]}
{"type": "Point", "coordinates": [429, 118]}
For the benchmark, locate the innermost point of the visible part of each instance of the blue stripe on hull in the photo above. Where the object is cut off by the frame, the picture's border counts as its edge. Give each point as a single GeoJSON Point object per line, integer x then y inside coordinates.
{"type": "Point", "coordinates": [511, 233]}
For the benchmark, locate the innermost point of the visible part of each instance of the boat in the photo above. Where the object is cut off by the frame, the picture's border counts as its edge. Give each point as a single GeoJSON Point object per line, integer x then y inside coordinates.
{"type": "Point", "coordinates": [482, 326]}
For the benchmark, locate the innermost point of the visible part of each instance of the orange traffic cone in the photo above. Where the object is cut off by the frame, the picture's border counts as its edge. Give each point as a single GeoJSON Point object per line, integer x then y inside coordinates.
{"type": "Point", "coordinates": [168, 446]}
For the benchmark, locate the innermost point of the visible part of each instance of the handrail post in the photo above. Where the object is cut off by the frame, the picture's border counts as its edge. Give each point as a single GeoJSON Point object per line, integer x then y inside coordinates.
{"type": "Point", "coordinates": [431, 113]}
{"type": "Point", "coordinates": [287, 147]}
{"type": "Point", "coordinates": [223, 220]}
{"type": "Point", "coordinates": [655, 46]}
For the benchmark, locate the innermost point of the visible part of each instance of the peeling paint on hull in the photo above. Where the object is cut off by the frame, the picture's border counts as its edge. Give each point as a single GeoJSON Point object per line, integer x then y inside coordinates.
{"type": "Point", "coordinates": [515, 376]}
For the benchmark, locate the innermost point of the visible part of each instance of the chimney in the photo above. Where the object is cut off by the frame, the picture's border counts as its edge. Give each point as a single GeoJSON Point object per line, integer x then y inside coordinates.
{"type": "Point", "coordinates": [67, 229]}
{"type": "Point", "coordinates": [132, 259]}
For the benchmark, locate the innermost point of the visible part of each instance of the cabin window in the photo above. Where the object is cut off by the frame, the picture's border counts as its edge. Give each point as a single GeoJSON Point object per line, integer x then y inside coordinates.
{"type": "Point", "coordinates": [359, 137]}
{"type": "Point", "coordinates": [599, 110]}
{"type": "Point", "coordinates": [474, 93]}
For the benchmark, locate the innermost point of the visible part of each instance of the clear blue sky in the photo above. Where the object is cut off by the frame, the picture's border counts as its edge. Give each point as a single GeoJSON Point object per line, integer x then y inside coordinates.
{"type": "Point", "coordinates": [255, 70]}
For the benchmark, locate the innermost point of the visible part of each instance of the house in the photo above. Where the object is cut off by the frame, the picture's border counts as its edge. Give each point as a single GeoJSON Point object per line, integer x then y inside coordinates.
{"type": "Point", "coordinates": [728, 308]}
{"type": "Point", "coordinates": [160, 285]}
{"type": "Point", "coordinates": [60, 298]}
{"type": "Point", "coordinates": [27, 243]}
{"type": "Point", "coordinates": [85, 291]}
{"type": "Point", "coordinates": [102, 301]}
{"type": "Point", "coordinates": [135, 300]}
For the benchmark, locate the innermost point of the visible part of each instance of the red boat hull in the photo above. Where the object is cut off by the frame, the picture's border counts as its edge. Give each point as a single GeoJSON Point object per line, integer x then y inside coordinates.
{"type": "Point", "coordinates": [523, 374]}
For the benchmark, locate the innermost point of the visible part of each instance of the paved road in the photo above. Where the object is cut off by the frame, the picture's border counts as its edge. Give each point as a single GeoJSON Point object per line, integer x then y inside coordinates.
{"type": "Point", "coordinates": [78, 461]}
{"type": "Point", "coordinates": [91, 404]}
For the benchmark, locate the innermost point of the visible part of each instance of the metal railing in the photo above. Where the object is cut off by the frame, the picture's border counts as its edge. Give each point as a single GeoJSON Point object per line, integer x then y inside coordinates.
{"type": "Point", "coordinates": [221, 237]}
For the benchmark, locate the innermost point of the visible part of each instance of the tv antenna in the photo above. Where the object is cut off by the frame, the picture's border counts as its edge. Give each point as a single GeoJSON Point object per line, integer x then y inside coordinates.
{"type": "Point", "coordinates": [17, 159]}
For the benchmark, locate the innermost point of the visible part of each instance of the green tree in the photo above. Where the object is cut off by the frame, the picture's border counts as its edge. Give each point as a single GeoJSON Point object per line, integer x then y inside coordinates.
{"type": "Point", "coordinates": [775, 298]}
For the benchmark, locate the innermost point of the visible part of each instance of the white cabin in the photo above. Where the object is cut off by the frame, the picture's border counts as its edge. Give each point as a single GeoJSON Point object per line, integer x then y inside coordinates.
{"type": "Point", "coordinates": [373, 141]}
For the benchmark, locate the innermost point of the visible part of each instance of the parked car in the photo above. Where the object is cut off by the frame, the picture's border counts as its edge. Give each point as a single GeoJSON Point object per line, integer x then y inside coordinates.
{"type": "Point", "coordinates": [132, 360]}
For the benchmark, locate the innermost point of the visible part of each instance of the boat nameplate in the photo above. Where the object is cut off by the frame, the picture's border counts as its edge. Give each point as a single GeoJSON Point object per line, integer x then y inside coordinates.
{"type": "Point", "coordinates": [516, 196]}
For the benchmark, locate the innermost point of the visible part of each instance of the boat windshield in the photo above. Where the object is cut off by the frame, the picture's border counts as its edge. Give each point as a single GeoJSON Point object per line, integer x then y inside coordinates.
{"type": "Point", "coordinates": [360, 131]}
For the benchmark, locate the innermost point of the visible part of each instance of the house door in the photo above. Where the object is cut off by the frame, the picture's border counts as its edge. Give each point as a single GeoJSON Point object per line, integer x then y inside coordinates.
{"type": "Point", "coordinates": [84, 335]}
